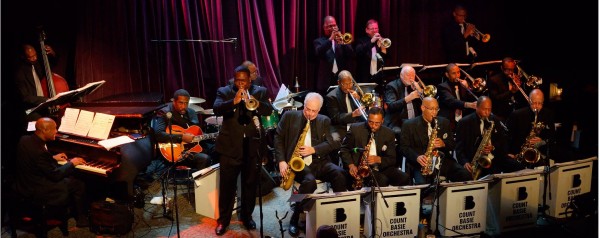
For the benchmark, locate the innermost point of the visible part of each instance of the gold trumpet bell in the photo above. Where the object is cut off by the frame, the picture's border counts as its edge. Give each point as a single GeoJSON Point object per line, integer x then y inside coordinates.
{"type": "Point", "coordinates": [347, 38]}
{"type": "Point", "coordinates": [485, 38]}
{"type": "Point", "coordinates": [430, 91]}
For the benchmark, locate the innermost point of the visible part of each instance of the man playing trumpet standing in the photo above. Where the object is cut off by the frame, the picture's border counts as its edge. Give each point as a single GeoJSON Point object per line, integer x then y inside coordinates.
{"type": "Point", "coordinates": [314, 149]}
{"type": "Point", "coordinates": [371, 51]}
{"type": "Point", "coordinates": [240, 105]}
{"type": "Point", "coordinates": [334, 55]}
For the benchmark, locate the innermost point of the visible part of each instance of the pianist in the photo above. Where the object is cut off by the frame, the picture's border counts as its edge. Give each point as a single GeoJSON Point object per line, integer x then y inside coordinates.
{"type": "Point", "coordinates": [184, 117]}
{"type": "Point", "coordinates": [41, 179]}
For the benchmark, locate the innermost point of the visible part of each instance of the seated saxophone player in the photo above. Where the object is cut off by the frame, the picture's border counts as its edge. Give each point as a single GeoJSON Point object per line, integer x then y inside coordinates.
{"type": "Point", "coordinates": [370, 144]}
{"type": "Point", "coordinates": [471, 137]}
{"type": "Point", "coordinates": [524, 137]}
{"type": "Point", "coordinates": [422, 138]}
{"type": "Point", "coordinates": [305, 135]}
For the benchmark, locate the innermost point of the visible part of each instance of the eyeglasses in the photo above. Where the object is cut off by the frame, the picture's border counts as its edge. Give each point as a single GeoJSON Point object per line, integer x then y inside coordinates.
{"type": "Point", "coordinates": [255, 72]}
{"type": "Point", "coordinates": [435, 109]}
{"type": "Point", "coordinates": [347, 84]}
{"type": "Point", "coordinates": [374, 122]}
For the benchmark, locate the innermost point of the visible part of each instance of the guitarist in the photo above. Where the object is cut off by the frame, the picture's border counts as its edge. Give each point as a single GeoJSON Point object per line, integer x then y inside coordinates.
{"type": "Point", "coordinates": [184, 117]}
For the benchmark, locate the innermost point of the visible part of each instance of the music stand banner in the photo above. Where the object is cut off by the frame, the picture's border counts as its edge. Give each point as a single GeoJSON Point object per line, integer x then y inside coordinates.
{"type": "Point", "coordinates": [568, 180]}
{"type": "Point", "coordinates": [339, 210]}
{"type": "Point", "coordinates": [401, 218]}
{"type": "Point", "coordinates": [463, 208]}
{"type": "Point", "coordinates": [513, 201]}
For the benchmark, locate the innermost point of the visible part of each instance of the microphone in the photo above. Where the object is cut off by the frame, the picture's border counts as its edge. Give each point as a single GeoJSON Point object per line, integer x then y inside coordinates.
{"type": "Point", "coordinates": [358, 150]}
{"type": "Point", "coordinates": [234, 43]}
{"type": "Point", "coordinates": [169, 115]}
{"type": "Point", "coordinates": [257, 124]}
{"type": "Point", "coordinates": [379, 58]}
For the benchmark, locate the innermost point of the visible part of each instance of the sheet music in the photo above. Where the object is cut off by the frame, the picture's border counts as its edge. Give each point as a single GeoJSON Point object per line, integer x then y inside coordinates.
{"type": "Point", "coordinates": [112, 142]}
{"type": "Point", "coordinates": [68, 121]}
{"type": "Point", "coordinates": [101, 126]}
{"type": "Point", "coordinates": [84, 122]}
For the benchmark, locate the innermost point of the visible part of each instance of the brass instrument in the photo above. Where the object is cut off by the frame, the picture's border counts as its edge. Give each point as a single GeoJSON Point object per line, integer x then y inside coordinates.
{"type": "Point", "coordinates": [427, 91]}
{"type": "Point", "coordinates": [529, 152]}
{"type": "Point", "coordinates": [479, 160]}
{"type": "Point", "coordinates": [250, 102]}
{"type": "Point", "coordinates": [385, 43]}
{"type": "Point", "coordinates": [366, 99]}
{"type": "Point", "coordinates": [296, 163]}
{"type": "Point", "coordinates": [478, 84]}
{"type": "Point", "coordinates": [480, 36]}
{"type": "Point", "coordinates": [514, 79]}
{"type": "Point", "coordinates": [343, 39]}
{"type": "Point", "coordinates": [363, 166]}
{"type": "Point", "coordinates": [532, 81]}
{"type": "Point", "coordinates": [430, 152]}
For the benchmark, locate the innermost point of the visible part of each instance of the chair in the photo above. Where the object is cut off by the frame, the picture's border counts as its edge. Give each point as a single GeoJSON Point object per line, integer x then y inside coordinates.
{"type": "Point", "coordinates": [27, 213]}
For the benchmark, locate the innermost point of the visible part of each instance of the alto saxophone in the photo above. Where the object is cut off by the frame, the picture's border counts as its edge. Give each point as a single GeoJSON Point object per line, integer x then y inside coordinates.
{"type": "Point", "coordinates": [529, 152]}
{"type": "Point", "coordinates": [363, 167]}
{"type": "Point", "coordinates": [479, 159]}
{"type": "Point", "coordinates": [296, 162]}
{"type": "Point", "coordinates": [430, 152]}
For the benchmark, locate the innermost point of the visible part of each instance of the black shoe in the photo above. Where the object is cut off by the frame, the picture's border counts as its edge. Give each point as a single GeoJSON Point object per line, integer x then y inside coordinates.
{"type": "Point", "coordinates": [220, 230]}
{"type": "Point", "coordinates": [250, 224]}
{"type": "Point", "coordinates": [293, 230]}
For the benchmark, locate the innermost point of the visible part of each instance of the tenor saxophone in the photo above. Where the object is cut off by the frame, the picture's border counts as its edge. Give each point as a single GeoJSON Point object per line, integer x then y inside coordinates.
{"type": "Point", "coordinates": [296, 162]}
{"type": "Point", "coordinates": [529, 153]}
{"type": "Point", "coordinates": [430, 152]}
{"type": "Point", "coordinates": [479, 160]}
{"type": "Point", "coordinates": [363, 167]}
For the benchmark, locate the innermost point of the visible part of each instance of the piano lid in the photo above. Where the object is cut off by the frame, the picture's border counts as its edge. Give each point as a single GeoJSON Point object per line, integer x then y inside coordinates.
{"type": "Point", "coordinates": [128, 105]}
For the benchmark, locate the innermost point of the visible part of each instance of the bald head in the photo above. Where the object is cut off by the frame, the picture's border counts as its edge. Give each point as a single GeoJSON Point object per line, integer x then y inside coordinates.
{"type": "Point", "coordinates": [45, 128]}
{"type": "Point", "coordinates": [536, 98]}
{"type": "Point", "coordinates": [29, 53]}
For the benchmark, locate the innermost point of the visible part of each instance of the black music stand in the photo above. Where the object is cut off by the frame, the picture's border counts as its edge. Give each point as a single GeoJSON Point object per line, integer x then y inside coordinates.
{"type": "Point", "coordinates": [67, 97]}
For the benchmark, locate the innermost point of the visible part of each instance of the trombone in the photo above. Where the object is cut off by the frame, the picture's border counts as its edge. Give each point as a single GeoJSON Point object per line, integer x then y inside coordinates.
{"type": "Point", "coordinates": [514, 80]}
{"type": "Point", "coordinates": [250, 102]}
{"type": "Point", "coordinates": [480, 36]}
{"type": "Point", "coordinates": [426, 91]}
{"type": "Point", "coordinates": [478, 84]}
{"type": "Point", "coordinates": [532, 80]}
{"type": "Point", "coordinates": [365, 99]}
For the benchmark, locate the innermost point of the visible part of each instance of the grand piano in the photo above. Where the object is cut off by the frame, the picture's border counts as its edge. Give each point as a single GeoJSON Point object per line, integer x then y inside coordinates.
{"type": "Point", "coordinates": [112, 172]}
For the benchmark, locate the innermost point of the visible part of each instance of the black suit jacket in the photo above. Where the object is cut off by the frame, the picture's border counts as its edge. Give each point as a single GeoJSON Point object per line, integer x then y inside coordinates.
{"type": "Point", "coordinates": [337, 111]}
{"type": "Point", "coordinates": [288, 132]}
{"type": "Point", "coordinates": [358, 137]}
{"type": "Point", "coordinates": [323, 51]}
{"type": "Point", "coordinates": [414, 139]}
{"type": "Point", "coordinates": [26, 84]}
{"type": "Point", "coordinates": [363, 59]}
{"type": "Point", "coordinates": [396, 111]}
{"type": "Point", "coordinates": [453, 43]}
{"type": "Point", "coordinates": [237, 120]}
{"type": "Point", "coordinates": [39, 176]}
{"type": "Point", "coordinates": [449, 102]}
{"type": "Point", "coordinates": [468, 138]}
{"type": "Point", "coordinates": [520, 123]}
{"type": "Point", "coordinates": [502, 97]}
{"type": "Point", "coordinates": [186, 120]}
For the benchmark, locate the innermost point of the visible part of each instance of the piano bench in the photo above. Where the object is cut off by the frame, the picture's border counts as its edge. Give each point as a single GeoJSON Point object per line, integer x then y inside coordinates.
{"type": "Point", "coordinates": [37, 218]}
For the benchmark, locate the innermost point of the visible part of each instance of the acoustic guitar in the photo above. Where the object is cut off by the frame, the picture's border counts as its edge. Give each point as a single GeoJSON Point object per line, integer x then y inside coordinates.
{"type": "Point", "coordinates": [180, 149]}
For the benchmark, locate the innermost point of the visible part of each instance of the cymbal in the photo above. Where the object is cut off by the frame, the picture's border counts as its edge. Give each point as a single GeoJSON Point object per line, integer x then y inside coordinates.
{"type": "Point", "coordinates": [291, 95]}
{"type": "Point", "coordinates": [195, 108]}
{"type": "Point", "coordinates": [214, 120]}
{"type": "Point", "coordinates": [284, 104]}
{"type": "Point", "coordinates": [207, 112]}
{"type": "Point", "coordinates": [195, 100]}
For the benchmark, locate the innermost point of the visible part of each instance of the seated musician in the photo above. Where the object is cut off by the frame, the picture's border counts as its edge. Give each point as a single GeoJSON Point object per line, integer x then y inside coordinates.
{"type": "Point", "coordinates": [306, 135]}
{"type": "Point", "coordinates": [455, 100]}
{"type": "Point", "coordinates": [470, 132]}
{"type": "Point", "coordinates": [340, 107]}
{"type": "Point", "coordinates": [520, 123]}
{"type": "Point", "coordinates": [42, 179]}
{"type": "Point", "coordinates": [422, 137]}
{"type": "Point", "coordinates": [378, 143]}
{"type": "Point", "coordinates": [183, 117]}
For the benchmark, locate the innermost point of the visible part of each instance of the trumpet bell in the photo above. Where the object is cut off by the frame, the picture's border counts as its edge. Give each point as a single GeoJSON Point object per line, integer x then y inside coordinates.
{"type": "Point", "coordinates": [386, 43]}
{"type": "Point", "coordinates": [251, 104]}
{"type": "Point", "coordinates": [367, 99]}
{"type": "Point", "coordinates": [485, 38]}
{"type": "Point", "coordinates": [430, 91]}
{"type": "Point", "coordinates": [347, 38]}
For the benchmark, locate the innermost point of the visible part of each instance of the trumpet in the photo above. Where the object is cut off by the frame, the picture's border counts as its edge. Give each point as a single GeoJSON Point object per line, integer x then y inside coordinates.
{"type": "Point", "coordinates": [532, 81]}
{"type": "Point", "coordinates": [250, 102]}
{"type": "Point", "coordinates": [343, 39]}
{"type": "Point", "coordinates": [427, 91]}
{"type": "Point", "coordinates": [480, 36]}
{"type": "Point", "coordinates": [385, 43]}
{"type": "Point", "coordinates": [478, 84]}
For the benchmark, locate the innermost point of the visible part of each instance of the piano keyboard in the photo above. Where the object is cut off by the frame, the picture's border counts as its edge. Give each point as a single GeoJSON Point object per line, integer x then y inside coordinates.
{"type": "Point", "coordinates": [95, 167]}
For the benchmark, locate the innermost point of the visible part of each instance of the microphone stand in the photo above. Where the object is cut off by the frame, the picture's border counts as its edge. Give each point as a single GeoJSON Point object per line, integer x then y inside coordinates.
{"type": "Point", "coordinates": [169, 115]}
{"type": "Point", "coordinates": [543, 218]}
{"type": "Point", "coordinates": [259, 167]}
{"type": "Point", "coordinates": [436, 182]}
{"type": "Point", "coordinates": [372, 205]}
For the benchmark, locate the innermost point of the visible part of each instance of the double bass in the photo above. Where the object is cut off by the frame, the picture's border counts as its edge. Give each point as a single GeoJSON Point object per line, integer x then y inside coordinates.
{"type": "Point", "coordinates": [56, 83]}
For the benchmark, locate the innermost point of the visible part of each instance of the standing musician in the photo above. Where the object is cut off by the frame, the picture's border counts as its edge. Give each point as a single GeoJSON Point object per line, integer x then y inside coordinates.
{"type": "Point", "coordinates": [416, 138]}
{"type": "Point", "coordinates": [28, 76]}
{"type": "Point", "coordinates": [520, 125]}
{"type": "Point", "coordinates": [469, 133]}
{"type": "Point", "coordinates": [318, 144]}
{"type": "Point", "coordinates": [370, 54]}
{"type": "Point", "coordinates": [458, 38]}
{"type": "Point", "coordinates": [184, 117]}
{"type": "Point", "coordinates": [240, 104]}
{"type": "Point", "coordinates": [504, 90]}
{"type": "Point", "coordinates": [333, 54]}
{"type": "Point", "coordinates": [381, 153]}
{"type": "Point", "coordinates": [341, 108]}
{"type": "Point", "coordinates": [455, 100]}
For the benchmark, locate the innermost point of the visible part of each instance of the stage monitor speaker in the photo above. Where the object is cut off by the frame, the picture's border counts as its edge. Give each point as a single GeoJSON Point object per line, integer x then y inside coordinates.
{"type": "Point", "coordinates": [401, 218]}
{"type": "Point", "coordinates": [568, 180]}
{"type": "Point", "coordinates": [206, 192]}
{"type": "Point", "coordinates": [339, 210]}
{"type": "Point", "coordinates": [267, 183]}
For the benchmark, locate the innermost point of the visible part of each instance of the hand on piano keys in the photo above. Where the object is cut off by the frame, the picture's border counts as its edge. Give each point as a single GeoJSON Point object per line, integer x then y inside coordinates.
{"type": "Point", "coordinates": [95, 167]}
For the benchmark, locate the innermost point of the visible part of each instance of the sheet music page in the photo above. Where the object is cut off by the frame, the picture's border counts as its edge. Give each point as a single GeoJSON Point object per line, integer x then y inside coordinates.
{"type": "Point", "coordinates": [112, 142]}
{"type": "Point", "coordinates": [84, 123]}
{"type": "Point", "coordinates": [101, 126]}
{"type": "Point", "coordinates": [68, 121]}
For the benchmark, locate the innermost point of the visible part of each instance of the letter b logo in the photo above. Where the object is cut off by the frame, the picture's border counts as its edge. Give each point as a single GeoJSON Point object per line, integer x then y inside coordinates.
{"type": "Point", "coordinates": [340, 216]}
{"type": "Point", "coordinates": [469, 203]}
{"type": "Point", "coordinates": [521, 193]}
{"type": "Point", "coordinates": [576, 180]}
{"type": "Point", "coordinates": [400, 209]}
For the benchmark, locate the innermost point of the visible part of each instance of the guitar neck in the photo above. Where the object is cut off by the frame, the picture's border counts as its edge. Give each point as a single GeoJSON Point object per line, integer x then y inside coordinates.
{"type": "Point", "coordinates": [199, 138]}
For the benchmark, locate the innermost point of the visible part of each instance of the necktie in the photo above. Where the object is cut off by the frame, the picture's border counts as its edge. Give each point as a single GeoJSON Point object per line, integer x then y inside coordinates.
{"type": "Point", "coordinates": [409, 105]}
{"type": "Point", "coordinates": [348, 105]}
{"type": "Point", "coordinates": [373, 61]}
{"type": "Point", "coordinates": [481, 126]}
{"type": "Point", "coordinates": [458, 112]}
{"type": "Point", "coordinates": [373, 146]}
{"type": "Point", "coordinates": [308, 142]}
{"type": "Point", "coordinates": [428, 129]}
{"type": "Point", "coordinates": [335, 68]}
{"type": "Point", "coordinates": [462, 31]}
{"type": "Point", "coordinates": [38, 85]}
